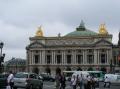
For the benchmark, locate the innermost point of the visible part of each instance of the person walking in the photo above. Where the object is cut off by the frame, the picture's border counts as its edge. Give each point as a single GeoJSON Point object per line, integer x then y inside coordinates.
{"type": "Point", "coordinates": [93, 82]}
{"type": "Point", "coordinates": [80, 81]}
{"type": "Point", "coordinates": [10, 80]}
{"type": "Point", "coordinates": [85, 82]}
{"type": "Point", "coordinates": [88, 82]}
{"type": "Point", "coordinates": [74, 82]}
{"type": "Point", "coordinates": [107, 82]}
{"type": "Point", "coordinates": [63, 81]}
{"type": "Point", "coordinates": [57, 80]}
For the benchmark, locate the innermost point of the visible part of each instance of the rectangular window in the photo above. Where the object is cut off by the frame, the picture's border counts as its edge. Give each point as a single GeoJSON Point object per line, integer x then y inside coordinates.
{"type": "Point", "coordinates": [36, 59]}
{"type": "Point", "coordinates": [90, 59]}
{"type": "Point", "coordinates": [103, 58]}
{"type": "Point", "coordinates": [79, 59]}
{"type": "Point", "coordinates": [48, 59]}
{"type": "Point", "coordinates": [59, 59]}
{"type": "Point", "coordinates": [69, 59]}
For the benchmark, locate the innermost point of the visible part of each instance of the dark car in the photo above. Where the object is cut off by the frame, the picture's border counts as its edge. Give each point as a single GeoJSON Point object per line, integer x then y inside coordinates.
{"type": "Point", "coordinates": [47, 77]}
{"type": "Point", "coordinates": [3, 80]}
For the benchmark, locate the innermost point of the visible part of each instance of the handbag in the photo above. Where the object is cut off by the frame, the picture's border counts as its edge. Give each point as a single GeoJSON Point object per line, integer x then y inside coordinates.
{"type": "Point", "coordinates": [8, 87]}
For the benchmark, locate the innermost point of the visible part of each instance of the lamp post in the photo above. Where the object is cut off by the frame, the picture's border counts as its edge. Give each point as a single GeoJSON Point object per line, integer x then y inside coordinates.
{"type": "Point", "coordinates": [2, 55]}
{"type": "Point", "coordinates": [111, 65]}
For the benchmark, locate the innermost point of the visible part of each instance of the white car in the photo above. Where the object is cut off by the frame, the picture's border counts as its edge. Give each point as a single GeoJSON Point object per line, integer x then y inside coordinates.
{"type": "Point", "coordinates": [113, 78]}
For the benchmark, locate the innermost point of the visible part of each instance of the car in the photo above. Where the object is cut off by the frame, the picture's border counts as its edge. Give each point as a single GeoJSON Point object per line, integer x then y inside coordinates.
{"type": "Point", "coordinates": [3, 80]}
{"type": "Point", "coordinates": [28, 81]}
{"type": "Point", "coordinates": [113, 78]}
{"type": "Point", "coordinates": [40, 77]}
{"type": "Point", "coordinates": [47, 77]}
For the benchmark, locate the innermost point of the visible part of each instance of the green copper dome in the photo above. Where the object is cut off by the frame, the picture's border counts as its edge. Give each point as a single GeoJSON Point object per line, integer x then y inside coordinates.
{"type": "Point", "coordinates": [81, 31]}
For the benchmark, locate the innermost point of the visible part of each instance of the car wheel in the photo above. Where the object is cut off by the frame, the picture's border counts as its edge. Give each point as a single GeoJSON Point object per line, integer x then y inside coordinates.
{"type": "Point", "coordinates": [41, 86]}
{"type": "Point", "coordinates": [31, 87]}
{"type": "Point", "coordinates": [15, 88]}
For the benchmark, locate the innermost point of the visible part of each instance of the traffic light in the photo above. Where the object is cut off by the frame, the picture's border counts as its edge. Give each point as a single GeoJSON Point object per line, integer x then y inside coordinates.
{"type": "Point", "coordinates": [2, 58]}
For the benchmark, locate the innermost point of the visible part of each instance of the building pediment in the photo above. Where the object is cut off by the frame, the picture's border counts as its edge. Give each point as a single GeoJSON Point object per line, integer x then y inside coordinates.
{"type": "Point", "coordinates": [36, 44]}
{"type": "Point", "coordinates": [103, 42]}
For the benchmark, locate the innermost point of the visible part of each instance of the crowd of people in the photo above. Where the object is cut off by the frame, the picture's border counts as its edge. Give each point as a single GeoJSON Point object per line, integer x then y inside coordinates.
{"type": "Point", "coordinates": [87, 82]}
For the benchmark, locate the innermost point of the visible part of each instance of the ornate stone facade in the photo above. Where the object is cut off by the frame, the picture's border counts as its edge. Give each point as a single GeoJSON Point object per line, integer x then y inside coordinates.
{"type": "Point", "coordinates": [81, 52]}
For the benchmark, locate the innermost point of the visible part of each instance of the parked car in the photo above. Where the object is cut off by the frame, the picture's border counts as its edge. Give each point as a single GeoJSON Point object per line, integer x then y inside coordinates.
{"type": "Point", "coordinates": [28, 81]}
{"type": "Point", "coordinates": [113, 78]}
{"type": "Point", "coordinates": [3, 80]}
{"type": "Point", "coordinates": [40, 77]}
{"type": "Point", "coordinates": [47, 77]}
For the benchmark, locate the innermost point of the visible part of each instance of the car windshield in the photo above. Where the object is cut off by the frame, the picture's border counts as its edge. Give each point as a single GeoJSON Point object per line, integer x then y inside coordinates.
{"type": "Point", "coordinates": [3, 75]}
{"type": "Point", "coordinates": [118, 77]}
{"type": "Point", "coordinates": [21, 76]}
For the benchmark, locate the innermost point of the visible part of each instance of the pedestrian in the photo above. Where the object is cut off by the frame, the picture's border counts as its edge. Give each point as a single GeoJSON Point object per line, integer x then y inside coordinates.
{"type": "Point", "coordinates": [10, 80]}
{"type": "Point", "coordinates": [62, 81]}
{"type": "Point", "coordinates": [93, 82]}
{"type": "Point", "coordinates": [57, 80]}
{"type": "Point", "coordinates": [77, 82]}
{"type": "Point", "coordinates": [80, 81]}
{"type": "Point", "coordinates": [88, 82]}
{"type": "Point", "coordinates": [74, 81]}
{"type": "Point", "coordinates": [85, 81]}
{"type": "Point", "coordinates": [107, 82]}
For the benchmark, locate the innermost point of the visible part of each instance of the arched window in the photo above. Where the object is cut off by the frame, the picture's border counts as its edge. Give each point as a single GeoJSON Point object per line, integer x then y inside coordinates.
{"type": "Point", "coordinates": [48, 70]}
{"type": "Point", "coordinates": [58, 70]}
{"type": "Point", "coordinates": [79, 69]}
{"type": "Point", "coordinates": [36, 70]}
{"type": "Point", "coordinates": [90, 69]}
{"type": "Point", "coordinates": [104, 70]}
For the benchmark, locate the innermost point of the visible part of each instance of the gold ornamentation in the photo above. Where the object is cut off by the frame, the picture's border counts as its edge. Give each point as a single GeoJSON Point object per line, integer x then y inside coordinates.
{"type": "Point", "coordinates": [103, 30]}
{"type": "Point", "coordinates": [39, 32]}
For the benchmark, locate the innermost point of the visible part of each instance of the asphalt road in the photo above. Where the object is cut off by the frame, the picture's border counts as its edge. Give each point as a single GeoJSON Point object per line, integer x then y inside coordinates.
{"type": "Point", "coordinates": [51, 85]}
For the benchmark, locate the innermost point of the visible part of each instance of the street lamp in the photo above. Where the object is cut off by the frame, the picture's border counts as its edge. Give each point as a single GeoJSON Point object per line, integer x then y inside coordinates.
{"type": "Point", "coordinates": [2, 55]}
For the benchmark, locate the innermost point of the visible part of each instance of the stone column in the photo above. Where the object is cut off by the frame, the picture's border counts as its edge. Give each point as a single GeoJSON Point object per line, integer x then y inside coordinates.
{"type": "Point", "coordinates": [65, 57]}
{"type": "Point", "coordinates": [40, 57]}
{"type": "Point", "coordinates": [43, 57]}
{"type": "Point", "coordinates": [52, 57]}
{"type": "Point", "coordinates": [62, 57]}
{"type": "Point", "coordinates": [95, 56]}
{"type": "Point", "coordinates": [32, 57]}
{"type": "Point", "coordinates": [84, 57]}
{"type": "Point", "coordinates": [75, 56]}
{"type": "Point", "coordinates": [99, 57]}
{"type": "Point", "coordinates": [107, 57]}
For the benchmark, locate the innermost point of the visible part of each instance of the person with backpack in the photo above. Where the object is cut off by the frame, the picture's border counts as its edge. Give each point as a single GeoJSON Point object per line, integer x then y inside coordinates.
{"type": "Point", "coordinates": [10, 80]}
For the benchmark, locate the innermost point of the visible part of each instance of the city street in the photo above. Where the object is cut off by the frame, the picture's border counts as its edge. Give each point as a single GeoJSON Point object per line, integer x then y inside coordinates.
{"type": "Point", "coordinates": [50, 85]}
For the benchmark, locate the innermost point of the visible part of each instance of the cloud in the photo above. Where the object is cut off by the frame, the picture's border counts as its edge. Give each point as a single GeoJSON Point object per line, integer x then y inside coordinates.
{"type": "Point", "coordinates": [19, 19]}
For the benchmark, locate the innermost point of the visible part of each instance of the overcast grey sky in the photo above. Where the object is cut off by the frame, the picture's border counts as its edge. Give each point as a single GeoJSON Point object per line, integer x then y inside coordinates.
{"type": "Point", "coordinates": [19, 20]}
